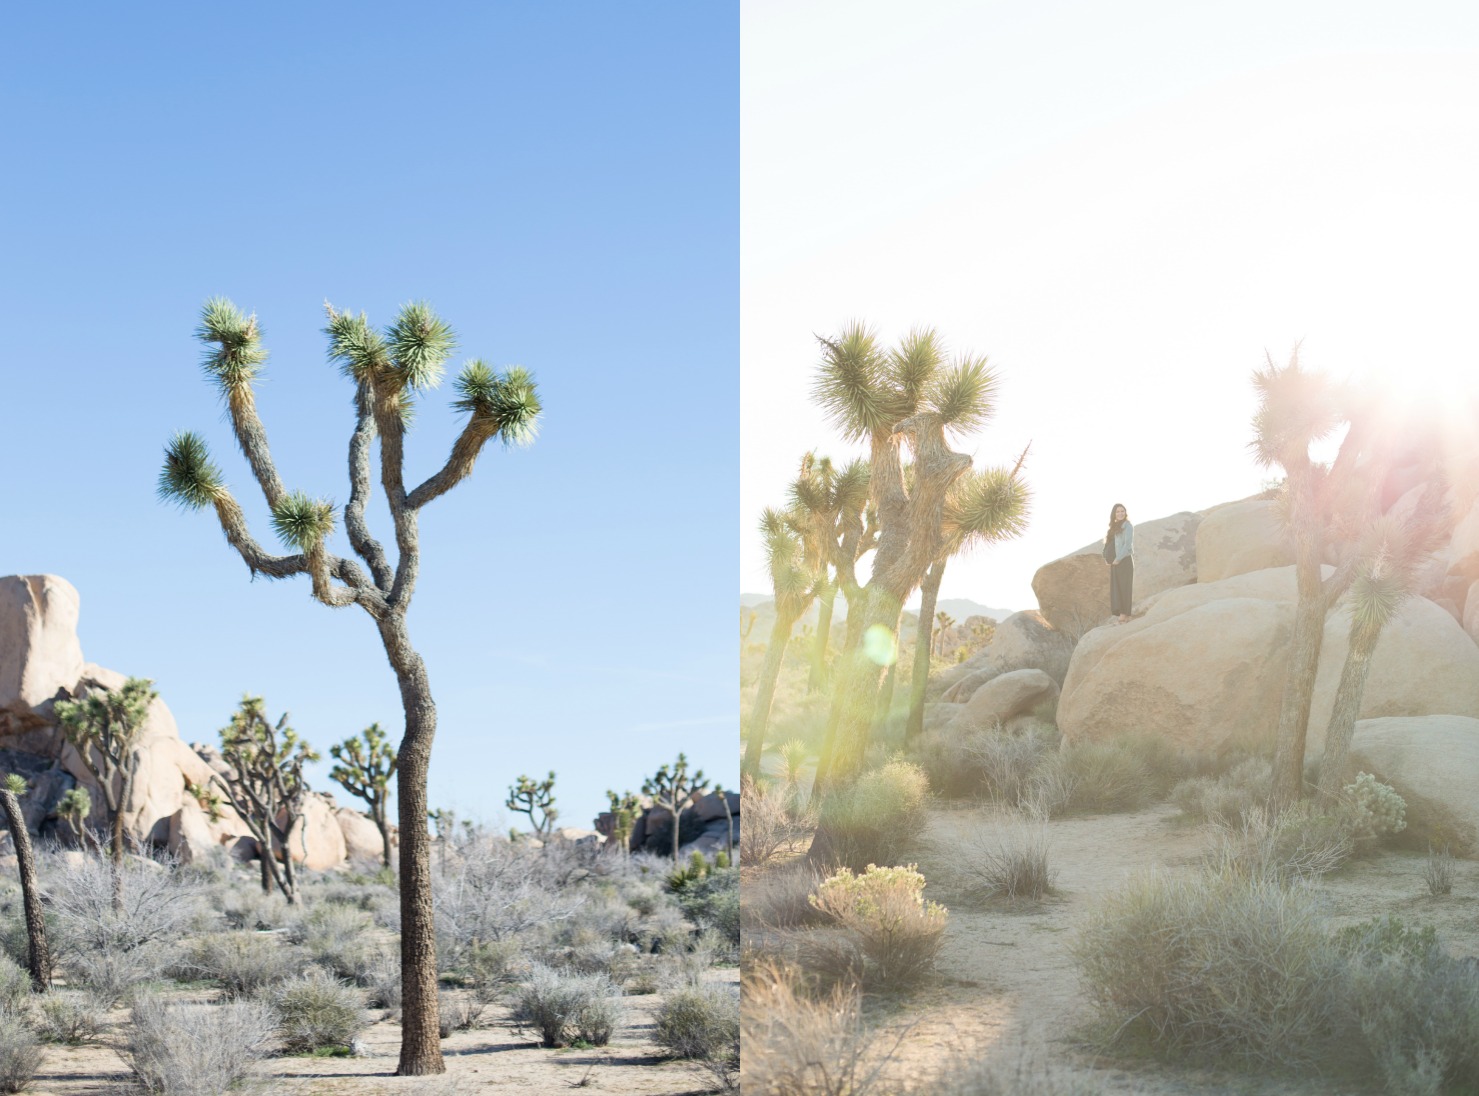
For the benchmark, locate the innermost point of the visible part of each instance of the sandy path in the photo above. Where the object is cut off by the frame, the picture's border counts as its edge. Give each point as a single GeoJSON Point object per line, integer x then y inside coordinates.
{"type": "Point", "coordinates": [1008, 974]}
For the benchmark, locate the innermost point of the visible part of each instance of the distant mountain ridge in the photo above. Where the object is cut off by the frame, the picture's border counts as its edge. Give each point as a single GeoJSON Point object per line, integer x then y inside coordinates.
{"type": "Point", "coordinates": [958, 607]}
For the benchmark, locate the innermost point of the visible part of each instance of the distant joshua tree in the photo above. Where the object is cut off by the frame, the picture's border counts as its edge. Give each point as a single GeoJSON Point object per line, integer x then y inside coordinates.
{"type": "Point", "coordinates": [672, 789]}
{"type": "Point", "coordinates": [532, 797]}
{"type": "Point", "coordinates": [38, 957]}
{"type": "Point", "coordinates": [838, 526]}
{"type": "Point", "coordinates": [266, 786]}
{"type": "Point", "coordinates": [387, 370]}
{"type": "Point", "coordinates": [624, 811]}
{"type": "Point", "coordinates": [73, 808]}
{"type": "Point", "coordinates": [104, 727]}
{"type": "Point", "coordinates": [366, 764]}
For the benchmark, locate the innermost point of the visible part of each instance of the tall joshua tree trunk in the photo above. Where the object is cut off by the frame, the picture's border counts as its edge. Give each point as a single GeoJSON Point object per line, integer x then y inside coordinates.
{"type": "Point", "coordinates": [826, 598]}
{"type": "Point", "coordinates": [929, 594]}
{"type": "Point", "coordinates": [1347, 706]}
{"type": "Point", "coordinates": [38, 957]}
{"type": "Point", "coordinates": [1304, 661]}
{"type": "Point", "coordinates": [775, 653]}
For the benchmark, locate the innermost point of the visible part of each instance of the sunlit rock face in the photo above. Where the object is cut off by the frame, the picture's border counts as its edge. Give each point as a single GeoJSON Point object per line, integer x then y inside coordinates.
{"type": "Point", "coordinates": [1435, 757]}
{"type": "Point", "coordinates": [1241, 537]}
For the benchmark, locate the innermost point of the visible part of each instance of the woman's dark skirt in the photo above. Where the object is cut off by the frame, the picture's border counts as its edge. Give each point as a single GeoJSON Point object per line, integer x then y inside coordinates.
{"type": "Point", "coordinates": [1121, 578]}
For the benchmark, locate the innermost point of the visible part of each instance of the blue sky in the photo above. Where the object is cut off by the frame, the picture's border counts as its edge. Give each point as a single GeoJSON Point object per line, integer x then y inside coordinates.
{"type": "Point", "coordinates": [561, 182]}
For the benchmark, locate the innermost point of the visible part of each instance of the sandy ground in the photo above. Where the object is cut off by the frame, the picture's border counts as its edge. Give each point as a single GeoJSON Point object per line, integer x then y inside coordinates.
{"type": "Point", "coordinates": [490, 1058]}
{"type": "Point", "coordinates": [1008, 975]}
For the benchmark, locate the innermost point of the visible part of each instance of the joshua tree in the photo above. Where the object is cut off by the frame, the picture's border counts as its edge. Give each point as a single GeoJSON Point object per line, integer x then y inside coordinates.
{"type": "Point", "coordinates": [943, 620]}
{"type": "Point", "coordinates": [1385, 575]}
{"type": "Point", "coordinates": [624, 810]}
{"type": "Point", "coordinates": [366, 764]}
{"type": "Point", "coordinates": [983, 507]}
{"type": "Point", "coordinates": [529, 796]}
{"type": "Point", "coordinates": [794, 578]}
{"type": "Point", "coordinates": [672, 790]}
{"type": "Point", "coordinates": [901, 401]}
{"type": "Point", "coordinates": [266, 786]}
{"type": "Point", "coordinates": [1296, 408]}
{"type": "Point", "coordinates": [104, 727]}
{"type": "Point", "coordinates": [38, 958]}
{"type": "Point", "coordinates": [73, 808]}
{"type": "Point", "coordinates": [387, 369]}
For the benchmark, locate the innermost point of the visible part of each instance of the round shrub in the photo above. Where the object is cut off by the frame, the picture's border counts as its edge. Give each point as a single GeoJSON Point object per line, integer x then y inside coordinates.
{"type": "Point", "coordinates": [700, 1022]}
{"type": "Point", "coordinates": [898, 932]}
{"type": "Point", "coordinates": [562, 1007]}
{"type": "Point", "coordinates": [879, 818]}
{"type": "Point", "coordinates": [317, 1010]}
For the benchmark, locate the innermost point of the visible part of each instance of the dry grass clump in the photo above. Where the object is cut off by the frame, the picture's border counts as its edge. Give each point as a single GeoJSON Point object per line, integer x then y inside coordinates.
{"type": "Point", "coordinates": [879, 818]}
{"type": "Point", "coordinates": [796, 1044]}
{"type": "Point", "coordinates": [1015, 867]}
{"type": "Point", "coordinates": [71, 1018]}
{"type": "Point", "coordinates": [317, 1010]}
{"type": "Point", "coordinates": [244, 963]}
{"type": "Point", "coordinates": [1299, 842]}
{"type": "Point", "coordinates": [1438, 871]}
{"type": "Point", "coordinates": [765, 822]}
{"type": "Point", "coordinates": [1020, 1068]}
{"type": "Point", "coordinates": [562, 1007]}
{"type": "Point", "coordinates": [1007, 761]}
{"type": "Point", "coordinates": [1216, 965]}
{"type": "Point", "coordinates": [196, 1050]}
{"type": "Point", "coordinates": [336, 936]}
{"type": "Point", "coordinates": [781, 898]}
{"type": "Point", "coordinates": [21, 1053]}
{"type": "Point", "coordinates": [1088, 777]}
{"type": "Point", "coordinates": [1229, 797]}
{"type": "Point", "coordinates": [701, 1022]}
{"type": "Point", "coordinates": [884, 910]}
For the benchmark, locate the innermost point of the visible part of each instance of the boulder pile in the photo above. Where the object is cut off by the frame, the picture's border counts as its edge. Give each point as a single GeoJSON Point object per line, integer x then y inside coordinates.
{"type": "Point", "coordinates": [169, 805]}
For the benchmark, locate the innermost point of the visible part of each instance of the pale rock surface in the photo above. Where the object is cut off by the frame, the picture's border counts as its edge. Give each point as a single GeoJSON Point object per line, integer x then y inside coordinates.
{"type": "Point", "coordinates": [1463, 546]}
{"type": "Point", "coordinates": [1003, 697]}
{"type": "Point", "coordinates": [39, 650]}
{"type": "Point", "coordinates": [192, 833]}
{"type": "Point", "coordinates": [361, 836]}
{"type": "Point", "coordinates": [1238, 538]}
{"type": "Point", "coordinates": [1435, 756]}
{"type": "Point", "coordinates": [1471, 612]}
{"type": "Point", "coordinates": [1023, 641]}
{"type": "Point", "coordinates": [316, 840]}
{"type": "Point", "coordinates": [1073, 591]}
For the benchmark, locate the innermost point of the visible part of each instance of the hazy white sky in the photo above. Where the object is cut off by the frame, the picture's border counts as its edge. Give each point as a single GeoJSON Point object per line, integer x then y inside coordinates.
{"type": "Point", "coordinates": [1122, 207]}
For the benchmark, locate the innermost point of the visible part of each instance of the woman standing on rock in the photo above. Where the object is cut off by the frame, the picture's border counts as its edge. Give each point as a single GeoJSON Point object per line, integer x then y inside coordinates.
{"type": "Point", "coordinates": [1119, 554]}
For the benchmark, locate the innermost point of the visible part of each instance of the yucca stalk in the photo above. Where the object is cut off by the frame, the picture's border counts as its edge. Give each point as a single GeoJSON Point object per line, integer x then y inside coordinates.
{"type": "Point", "coordinates": [388, 369]}
{"type": "Point", "coordinates": [38, 955]}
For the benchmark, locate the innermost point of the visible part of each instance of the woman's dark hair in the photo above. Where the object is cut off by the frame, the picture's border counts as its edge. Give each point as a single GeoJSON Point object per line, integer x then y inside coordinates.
{"type": "Point", "coordinates": [1115, 526]}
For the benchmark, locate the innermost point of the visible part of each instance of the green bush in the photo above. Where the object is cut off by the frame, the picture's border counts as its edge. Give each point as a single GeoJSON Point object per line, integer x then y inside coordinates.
{"type": "Point", "coordinates": [1090, 777]}
{"type": "Point", "coordinates": [879, 818]}
{"type": "Point", "coordinates": [244, 963]}
{"type": "Point", "coordinates": [317, 1010]}
{"type": "Point", "coordinates": [898, 932]}
{"type": "Point", "coordinates": [713, 902]}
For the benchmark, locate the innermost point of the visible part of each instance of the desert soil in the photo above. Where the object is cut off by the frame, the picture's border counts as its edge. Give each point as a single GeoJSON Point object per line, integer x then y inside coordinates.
{"type": "Point", "coordinates": [1008, 976]}
{"type": "Point", "coordinates": [490, 1058]}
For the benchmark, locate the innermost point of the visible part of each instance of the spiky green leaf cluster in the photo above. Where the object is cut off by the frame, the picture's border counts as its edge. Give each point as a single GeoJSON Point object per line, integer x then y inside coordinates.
{"type": "Point", "coordinates": [1296, 408]}
{"type": "Point", "coordinates": [16, 784]}
{"type": "Point", "coordinates": [964, 395]}
{"type": "Point", "coordinates": [237, 357]}
{"type": "Point", "coordinates": [506, 404]}
{"type": "Point", "coordinates": [189, 477]}
{"type": "Point", "coordinates": [302, 522]}
{"type": "Point", "coordinates": [359, 349]}
{"type": "Point", "coordinates": [912, 367]}
{"type": "Point", "coordinates": [987, 505]}
{"type": "Point", "coordinates": [849, 386]}
{"type": "Point", "coordinates": [419, 342]}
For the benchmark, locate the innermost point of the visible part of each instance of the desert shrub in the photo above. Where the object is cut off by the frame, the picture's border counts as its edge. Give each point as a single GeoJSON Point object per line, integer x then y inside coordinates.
{"type": "Point", "coordinates": [20, 1053]}
{"type": "Point", "coordinates": [1089, 777]}
{"type": "Point", "coordinates": [1438, 871]}
{"type": "Point", "coordinates": [15, 987]}
{"type": "Point", "coordinates": [250, 908]}
{"type": "Point", "coordinates": [1229, 797]}
{"type": "Point", "coordinates": [1006, 761]}
{"type": "Point", "coordinates": [666, 930]}
{"type": "Point", "coordinates": [1377, 808]}
{"type": "Point", "coordinates": [70, 1018]}
{"type": "Point", "coordinates": [1301, 841]}
{"type": "Point", "coordinates": [765, 824]}
{"type": "Point", "coordinates": [796, 1044]}
{"type": "Point", "coordinates": [898, 932]}
{"type": "Point", "coordinates": [559, 1006]}
{"type": "Point", "coordinates": [380, 975]}
{"type": "Point", "coordinates": [1215, 965]}
{"type": "Point", "coordinates": [194, 1049]}
{"type": "Point", "coordinates": [492, 966]}
{"type": "Point", "coordinates": [1011, 1067]}
{"type": "Point", "coordinates": [14, 942]}
{"type": "Point", "coordinates": [703, 1023]}
{"type": "Point", "coordinates": [879, 817]}
{"type": "Point", "coordinates": [459, 1012]}
{"type": "Point", "coordinates": [1015, 867]}
{"type": "Point", "coordinates": [335, 936]}
{"type": "Point", "coordinates": [1383, 937]}
{"type": "Point", "coordinates": [781, 898]}
{"type": "Point", "coordinates": [245, 963]}
{"type": "Point", "coordinates": [1416, 1010]}
{"type": "Point", "coordinates": [317, 1010]}
{"type": "Point", "coordinates": [713, 903]}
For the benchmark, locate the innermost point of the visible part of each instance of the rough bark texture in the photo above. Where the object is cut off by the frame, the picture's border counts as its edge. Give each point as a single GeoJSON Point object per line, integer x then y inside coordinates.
{"type": "Point", "coordinates": [827, 598]}
{"type": "Point", "coordinates": [38, 957]}
{"type": "Point", "coordinates": [929, 594]}
{"type": "Point", "coordinates": [1304, 648]}
{"type": "Point", "coordinates": [421, 1051]}
{"type": "Point", "coordinates": [775, 653]}
{"type": "Point", "coordinates": [1343, 715]}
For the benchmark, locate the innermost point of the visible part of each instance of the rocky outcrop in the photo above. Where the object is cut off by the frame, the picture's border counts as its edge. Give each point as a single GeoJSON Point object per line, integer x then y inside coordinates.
{"type": "Point", "coordinates": [1435, 757]}
{"type": "Point", "coordinates": [1204, 667]}
{"type": "Point", "coordinates": [40, 657]}
{"type": "Point", "coordinates": [1073, 591]}
{"type": "Point", "coordinates": [1003, 697]}
{"type": "Point", "coordinates": [1241, 537]}
{"type": "Point", "coordinates": [362, 841]}
{"type": "Point", "coordinates": [1023, 641]}
{"type": "Point", "coordinates": [704, 826]}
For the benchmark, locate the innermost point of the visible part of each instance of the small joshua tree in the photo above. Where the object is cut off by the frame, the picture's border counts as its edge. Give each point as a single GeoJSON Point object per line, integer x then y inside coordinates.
{"type": "Point", "coordinates": [529, 796]}
{"type": "Point", "coordinates": [266, 785]}
{"type": "Point", "coordinates": [624, 811]}
{"type": "Point", "coordinates": [366, 764]}
{"type": "Point", "coordinates": [38, 958]}
{"type": "Point", "coordinates": [73, 808]}
{"type": "Point", "coordinates": [672, 790]}
{"type": "Point", "coordinates": [104, 726]}
{"type": "Point", "coordinates": [387, 370]}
